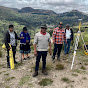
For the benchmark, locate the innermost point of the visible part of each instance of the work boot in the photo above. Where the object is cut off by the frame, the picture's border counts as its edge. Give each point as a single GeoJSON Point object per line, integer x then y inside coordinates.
{"type": "Point", "coordinates": [44, 72]}
{"type": "Point", "coordinates": [35, 74]}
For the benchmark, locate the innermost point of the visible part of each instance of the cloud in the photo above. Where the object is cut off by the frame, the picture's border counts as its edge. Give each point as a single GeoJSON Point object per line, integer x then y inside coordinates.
{"type": "Point", "coordinates": [58, 6]}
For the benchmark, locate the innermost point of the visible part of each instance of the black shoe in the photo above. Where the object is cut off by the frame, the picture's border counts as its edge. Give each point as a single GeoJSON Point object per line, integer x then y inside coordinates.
{"type": "Point", "coordinates": [35, 74]}
{"type": "Point", "coordinates": [44, 72]}
{"type": "Point", "coordinates": [15, 62]}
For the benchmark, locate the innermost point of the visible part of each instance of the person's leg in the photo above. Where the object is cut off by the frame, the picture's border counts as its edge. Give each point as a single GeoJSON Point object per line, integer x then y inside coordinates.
{"type": "Point", "coordinates": [68, 48]}
{"type": "Point", "coordinates": [8, 61]}
{"type": "Point", "coordinates": [65, 48]}
{"type": "Point", "coordinates": [14, 53]}
{"type": "Point", "coordinates": [55, 51]}
{"type": "Point", "coordinates": [37, 64]}
{"type": "Point", "coordinates": [28, 56]}
{"type": "Point", "coordinates": [22, 55]}
{"type": "Point", "coordinates": [44, 55]}
{"type": "Point", "coordinates": [37, 60]}
{"type": "Point", "coordinates": [59, 50]}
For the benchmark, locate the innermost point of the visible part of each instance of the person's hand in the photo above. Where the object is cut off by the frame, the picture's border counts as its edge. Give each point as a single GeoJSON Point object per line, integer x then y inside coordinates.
{"type": "Point", "coordinates": [66, 41]}
{"type": "Point", "coordinates": [21, 37]}
{"type": "Point", "coordinates": [53, 42]}
{"type": "Point", "coordinates": [35, 53]}
{"type": "Point", "coordinates": [27, 41]}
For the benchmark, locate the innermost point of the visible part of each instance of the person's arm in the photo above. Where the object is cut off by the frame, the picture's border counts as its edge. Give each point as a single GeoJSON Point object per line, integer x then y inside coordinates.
{"type": "Point", "coordinates": [18, 38]}
{"type": "Point", "coordinates": [65, 37]}
{"type": "Point", "coordinates": [50, 48]}
{"type": "Point", "coordinates": [49, 40]}
{"type": "Point", "coordinates": [54, 36]}
{"type": "Point", "coordinates": [35, 44]}
{"type": "Point", "coordinates": [72, 35]}
{"type": "Point", "coordinates": [35, 50]}
{"type": "Point", "coordinates": [6, 41]}
{"type": "Point", "coordinates": [28, 41]}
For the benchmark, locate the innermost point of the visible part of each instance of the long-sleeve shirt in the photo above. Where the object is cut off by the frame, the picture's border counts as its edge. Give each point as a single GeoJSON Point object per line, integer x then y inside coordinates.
{"type": "Point", "coordinates": [59, 36]}
{"type": "Point", "coordinates": [26, 37]}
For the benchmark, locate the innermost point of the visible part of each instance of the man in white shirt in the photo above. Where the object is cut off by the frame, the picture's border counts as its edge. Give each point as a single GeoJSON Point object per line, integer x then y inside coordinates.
{"type": "Point", "coordinates": [69, 38]}
{"type": "Point", "coordinates": [41, 42]}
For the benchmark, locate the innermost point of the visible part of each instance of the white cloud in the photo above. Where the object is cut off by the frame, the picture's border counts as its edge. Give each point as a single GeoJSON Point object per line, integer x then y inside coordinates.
{"type": "Point", "coordinates": [55, 5]}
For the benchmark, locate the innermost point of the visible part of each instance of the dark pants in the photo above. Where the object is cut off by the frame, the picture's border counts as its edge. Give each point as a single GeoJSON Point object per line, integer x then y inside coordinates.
{"type": "Point", "coordinates": [40, 54]}
{"type": "Point", "coordinates": [57, 47]}
{"type": "Point", "coordinates": [14, 53]}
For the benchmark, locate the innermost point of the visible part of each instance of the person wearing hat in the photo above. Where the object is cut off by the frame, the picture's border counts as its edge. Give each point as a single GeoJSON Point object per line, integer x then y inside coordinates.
{"type": "Point", "coordinates": [41, 42]}
{"type": "Point", "coordinates": [58, 37]}
{"type": "Point", "coordinates": [11, 37]}
{"type": "Point", "coordinates": [25, 43]}
{"type": "Point", "coordinates": [69, 38]}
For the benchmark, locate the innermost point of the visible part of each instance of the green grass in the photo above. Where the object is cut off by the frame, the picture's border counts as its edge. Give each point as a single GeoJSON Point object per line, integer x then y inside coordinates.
{"type": "Point", "coordinates": [75, 75]}
{"type": "Point", "coordinates": [60, 66]}
{"type": "Point", "coordinates": [83, 68]}
{"type": "Point", "coordinates": [79, 71]}
{"type": "Point", "coordinates": [24, 79]}
{"type": "Point", "coordinates": [7, 87]}
{"type": "Point", "coordinates": [84, 78]}
{"type": "Point", "coordinates": [7, 74]}
{"type": "Point", "coordinates": [65, 79]}
{"type": "Point", "coordinates": [10, 78]}
{"type": "Point", "coordinates": [45, 82]}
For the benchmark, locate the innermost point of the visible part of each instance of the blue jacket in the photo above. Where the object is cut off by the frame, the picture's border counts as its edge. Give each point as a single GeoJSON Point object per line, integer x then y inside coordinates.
{"type": "Point", "coordinates": [26, 37]}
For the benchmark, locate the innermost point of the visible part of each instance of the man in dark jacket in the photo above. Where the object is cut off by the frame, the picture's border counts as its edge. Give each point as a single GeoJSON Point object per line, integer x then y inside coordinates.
{"type": "Point", "coordinates": [69, 38]}
{"type": "Point", "coordinates": [11, 37]}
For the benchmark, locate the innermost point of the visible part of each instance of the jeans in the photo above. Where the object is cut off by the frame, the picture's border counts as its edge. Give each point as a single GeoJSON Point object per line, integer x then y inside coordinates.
{"type": "Point", "coordinates": [67, 46]}
{"type": "Point", "coordinates": [57, 47]}
{"type": "Point", "coordinates": [14, 53]}
{"type": "Point", "coordinates": [40, 54]}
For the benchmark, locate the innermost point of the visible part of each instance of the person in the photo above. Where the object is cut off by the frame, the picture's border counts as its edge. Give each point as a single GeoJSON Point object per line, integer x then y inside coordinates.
{"type": "Point", "coordinates": [25, 43]}
{"type": "Point", "coordinates": [41, 41]}
{"type": "Point", "coordinates": [11, 37]}
{"type": "Point", "coordinates": [69, 38]}
{"type": "Point", "coordinates": [58, 37]}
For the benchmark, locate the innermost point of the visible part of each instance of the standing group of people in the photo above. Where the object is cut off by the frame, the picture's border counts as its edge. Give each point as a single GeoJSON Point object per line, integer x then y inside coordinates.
{"type": "Point", "coordinates": [42, 41]}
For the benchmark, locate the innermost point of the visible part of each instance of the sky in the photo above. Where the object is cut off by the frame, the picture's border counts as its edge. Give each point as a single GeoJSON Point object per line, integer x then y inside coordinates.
{"type": "Point", "coordinates": [58, 6]}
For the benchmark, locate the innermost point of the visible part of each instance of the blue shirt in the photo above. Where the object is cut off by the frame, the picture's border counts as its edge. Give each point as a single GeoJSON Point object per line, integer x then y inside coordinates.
{"type": "Point", "coordinates": [26, 37]}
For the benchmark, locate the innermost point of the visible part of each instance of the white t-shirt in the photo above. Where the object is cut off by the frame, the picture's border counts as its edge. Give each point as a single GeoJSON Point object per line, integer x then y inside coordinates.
{"type": "Point", "coordinates": [12, 38]}
{"type": "Point", "coordinates": [42, 41]}
{"type": "Point", "coordinates": [68, 34]}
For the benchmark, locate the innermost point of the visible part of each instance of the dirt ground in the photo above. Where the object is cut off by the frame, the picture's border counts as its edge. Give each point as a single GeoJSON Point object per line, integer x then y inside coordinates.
{"type": "Point", "coordinates": [21, 76]}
